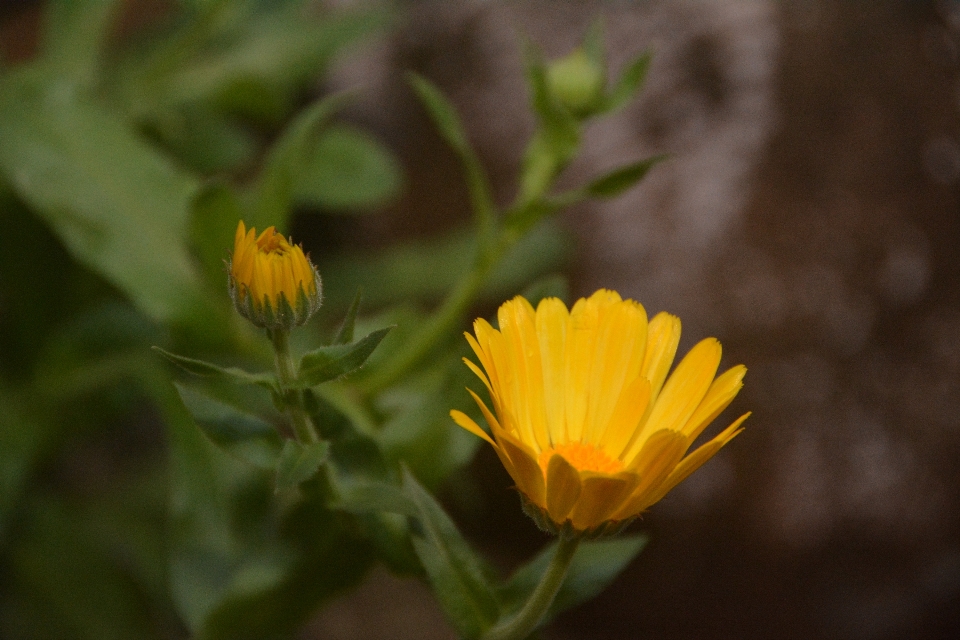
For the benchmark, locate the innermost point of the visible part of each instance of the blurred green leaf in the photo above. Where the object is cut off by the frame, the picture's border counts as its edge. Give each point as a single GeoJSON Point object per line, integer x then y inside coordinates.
{"type": "Point", "coordinates": [374, 497]}
{"type": "Point", "coordinates": [215, 213]}
{"type": "Point", "coordinates": [75, 34]}
{"type": "Point", "coordinates": [299, 462]}
{"type": "Point", "coordinates": [285, 161]}
{"type": "Point", "coordinates": [22, 436]}
{"type": "Point", "coordinates": [426, 270]}
{"type": "Point", "coordinates": [234, 375]}
{"type": "Point", "coordinates": [203, 139]}
{"type": "Point", "coordinates": [619, 180]}
{"type": "Point", "coordinates": [347, 170]}
{"type": "Point", "coordinates": [243, 435]}
{"type": "Point", "coordinates": [331, 362]}
{"type": "Point", "coordinates": [457, 574]}
{"type": "Point", "coordinates": [119, 207]}
{"type": "Point", "coordinates": [552, 286]}
{"type": "Point", "coordinates": [73, 577]}
{"type": "Point", "coordinates": [354, 454]}
{"type": "Point", "coordinates": [345, 332]}
{"type": "Point", "coordinates": [595, 565]}
{"type": "Point", "coordinates": [267, 54]}
{"type": "Point", "coordinates": [447, 121]}
{"type": "Point", "coordinates": [630, 82]}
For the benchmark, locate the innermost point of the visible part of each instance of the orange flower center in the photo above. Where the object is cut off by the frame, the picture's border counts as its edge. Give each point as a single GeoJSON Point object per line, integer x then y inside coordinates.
{"type": "Point", "coordinates": [583, 457]}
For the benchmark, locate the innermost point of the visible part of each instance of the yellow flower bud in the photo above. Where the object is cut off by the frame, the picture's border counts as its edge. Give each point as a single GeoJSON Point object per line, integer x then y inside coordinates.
{"type": "Point", "coordinates": [272, 282]}
{"type": "Point", "coordinates": [585, 418]}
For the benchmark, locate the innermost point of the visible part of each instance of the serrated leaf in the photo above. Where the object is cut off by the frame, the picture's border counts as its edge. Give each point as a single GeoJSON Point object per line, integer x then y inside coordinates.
{"type": "Point", "coordinates": [345, 332]}
{"type": "Point", "coordinates": [595, 565]}
{"type": "Point", "coordinates": [457, 575]}
{"type": "Point", "coordinates": [329, 363]}
{"type": "Point", "coordinates": [210, 370]}
{"type": "Point", "coordinates": [241, 434]}
{"type": "Point", "coordinates": [299, 462]}
{"type": "Point", "coordinates": [286, 158]}
{"type": "Point", "coordinates": [630, 82]}
{"type": "Point", "coordinates": [618, 181]}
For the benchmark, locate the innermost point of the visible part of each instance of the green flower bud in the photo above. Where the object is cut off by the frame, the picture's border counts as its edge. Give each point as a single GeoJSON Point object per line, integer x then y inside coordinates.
{"type": "Point", "coordinates": [577, 82]}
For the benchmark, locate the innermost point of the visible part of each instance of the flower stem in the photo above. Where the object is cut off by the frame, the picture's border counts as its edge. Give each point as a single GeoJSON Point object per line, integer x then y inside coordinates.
{"type": "Point", "coordinates": [293, 398]}
{"type": "Point", "coordinates": [528, 618]}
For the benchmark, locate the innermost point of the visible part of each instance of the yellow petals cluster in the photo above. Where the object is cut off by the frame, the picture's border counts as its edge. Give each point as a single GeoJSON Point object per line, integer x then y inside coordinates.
{"type": "Point", "coordinates": [585, 418]}
{"type": "Point", "coordinates": [272, 282]}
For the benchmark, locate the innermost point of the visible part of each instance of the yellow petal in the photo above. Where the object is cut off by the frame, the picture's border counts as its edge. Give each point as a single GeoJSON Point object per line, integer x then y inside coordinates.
{"type": "Point", "coordinates": [658, 458]}
{"type": "Point", "coordinates": [518, 328]}
{"type": "Point", "coordinates": [487, 415]}
{"type": "Point", "coordinates": [525, 471]}
{"type": "Point", "coordinates": [563, 487]}
{"type": "Point", "coordinates": [581, 336]}
{"type": "Point", "coordinates": [722, 392]}
{"type": "Point", "coordinates": [618, 354]}
{"type": "Point", "coordinates": [551, 322]}
{"type": "Point", "coordinates": [694, 461]}
{"type": "Point", "coordinates": [683, 391]}
{"type": "Point", "coordinates": [467, 423]}
{"type": "Point", "coordinates": [600, 496]}
{"type": "Point", "coordinates": [626, 416]}
{"type": "Point", "coordinates": [663, 336]}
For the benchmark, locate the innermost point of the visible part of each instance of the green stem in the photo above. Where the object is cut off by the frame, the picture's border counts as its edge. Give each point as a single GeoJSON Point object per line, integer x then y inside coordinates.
{"type": "Point", "coordinates": [441, 322]}
{"type": "Point", "coordinates": [522, 624]}
{"type": "Point", "coordinates": [293, 398]}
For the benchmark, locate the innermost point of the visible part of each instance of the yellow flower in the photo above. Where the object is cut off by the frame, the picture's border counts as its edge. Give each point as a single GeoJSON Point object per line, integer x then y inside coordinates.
{"type": "Point", "coordinates": [585, 419]}
{"type": "Point", "coordinates": [272, 282]}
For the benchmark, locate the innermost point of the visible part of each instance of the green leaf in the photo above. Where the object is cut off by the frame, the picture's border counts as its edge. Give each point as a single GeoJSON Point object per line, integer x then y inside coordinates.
{"type": "Point", "coordinates": [347, 170]}
{"type": "Point", "coordinates": [241, 434]}
{"type": "Point", "coordinates": [457, 575]}
{"type": "Point", "coordinates": [299, 462]}
{"type": "Point", "coordinates": [215, 213]}
{"type": "Point", "coordinates": [75, 34]}
{"type": "Point", "coordinates": [328, 363]}
{"type": "Point", "coordinates": [374, 497]}
{"type": "Point", "coordinates": [285, 160]}
{"type": "Point", "coordinates": [447, 121]}
{"type": "Point", "coordinates": [618, 181]}
{"type": "Point", "coordinates": [345, 333]}
{"type": "Point", "coordinates": [595, 565]}
{"type": "Point", "coordinates": [230, 374]}
{"type": "Point", "coordinates": [120, 208]}
{"type": "Point", "coordinates": [630, 82]}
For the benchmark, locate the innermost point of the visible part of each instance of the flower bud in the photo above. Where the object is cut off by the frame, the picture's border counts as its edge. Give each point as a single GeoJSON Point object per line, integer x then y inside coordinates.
{"type": "Point", "coordinates": [272, 282]}
{"type": "Point", "coordinates": [577, 82]}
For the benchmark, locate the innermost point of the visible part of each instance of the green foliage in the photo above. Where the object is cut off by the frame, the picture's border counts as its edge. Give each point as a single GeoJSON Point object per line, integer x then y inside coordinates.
{"type": "Point", "coordinates": [126, 162]}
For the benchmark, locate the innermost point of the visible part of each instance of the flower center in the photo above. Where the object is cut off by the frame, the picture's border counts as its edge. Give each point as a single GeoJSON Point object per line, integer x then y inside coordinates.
{"type": "Point", "coordinates": [583, 457]}
{"type": "Point", "coordinates": [272, 242]}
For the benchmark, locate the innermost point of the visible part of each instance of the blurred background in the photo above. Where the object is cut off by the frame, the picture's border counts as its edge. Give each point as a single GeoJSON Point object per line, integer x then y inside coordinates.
{"type": "Point", "coordinates": [807, 217]}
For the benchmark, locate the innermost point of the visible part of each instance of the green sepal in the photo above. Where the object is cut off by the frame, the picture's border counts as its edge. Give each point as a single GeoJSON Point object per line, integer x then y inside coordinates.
{"type": "Point", "coordinates": [630, 82]}
{"type": "Point", "coordinates": [241, 434]}
{"type": "Point", "coordinates": [458, 576]}
{"type": "Point", "coordinates": [299, 462]}
{"type": "Point", "coordinates": [235, 375]}
{"type": "Point", "coordinates": [330, 362]}
{"type": "Point", "coordinates": [595, 565]}
{"type": "Point", "coordinates": [566, 529]}
{"type": "Point", "coordinates": [621, 179]}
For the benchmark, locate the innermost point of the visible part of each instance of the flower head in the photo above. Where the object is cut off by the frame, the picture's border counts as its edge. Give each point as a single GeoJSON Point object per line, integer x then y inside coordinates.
{"type": "Point", "coordinates": [272, 282]}
{"type": "Point", "coordinates": [585, 419]}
